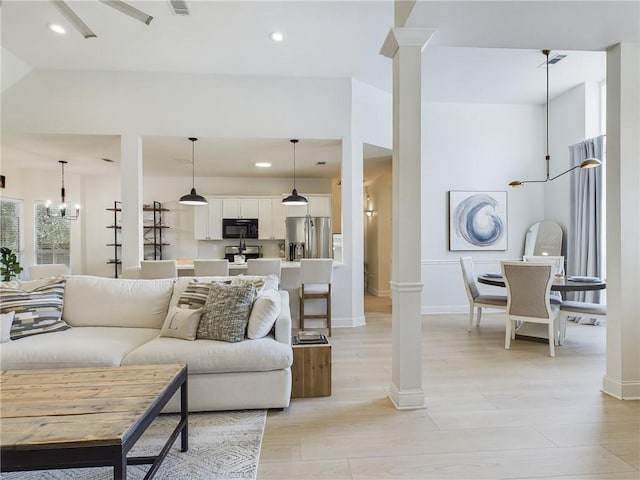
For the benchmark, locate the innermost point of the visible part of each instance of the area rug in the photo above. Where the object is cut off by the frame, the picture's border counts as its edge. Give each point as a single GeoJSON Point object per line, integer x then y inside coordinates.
{"type": "Point", "coordinates": [222, 445]}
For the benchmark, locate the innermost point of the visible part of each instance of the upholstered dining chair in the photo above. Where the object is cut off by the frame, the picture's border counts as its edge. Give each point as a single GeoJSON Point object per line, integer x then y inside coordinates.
{"type": "Point", "coordinates": [37, 272]}
{"type": "Point", "coordinates": [316, 275]}
{"type": "Point", "coordinates": [558, 261]}
{"type": "Point", "coordinates": [528, 286]}
{"type": "Point", "coordinates": [211, 267]}
{"type": "Point", "coordinates": [476, 300]}
{"type": "Point", "coordinates": [264, 266]}
{"type": "Point", "coordinates": [158, 269]}
{"type": "Point", "coordinates": [569, 308]}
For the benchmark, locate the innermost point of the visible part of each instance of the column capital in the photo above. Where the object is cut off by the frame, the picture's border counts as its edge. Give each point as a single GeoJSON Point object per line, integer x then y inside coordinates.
{"type": "Point", "coordinates": [405, 37]}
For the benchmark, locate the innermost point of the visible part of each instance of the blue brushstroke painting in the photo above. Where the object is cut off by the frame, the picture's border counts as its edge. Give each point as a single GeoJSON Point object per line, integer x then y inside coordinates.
{"type": "Point", "coordinates": [477, 221]}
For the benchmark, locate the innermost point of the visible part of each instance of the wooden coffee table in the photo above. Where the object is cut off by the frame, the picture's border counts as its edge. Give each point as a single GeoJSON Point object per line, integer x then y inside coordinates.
{"type": "Point", "coordinates": [86, 417]}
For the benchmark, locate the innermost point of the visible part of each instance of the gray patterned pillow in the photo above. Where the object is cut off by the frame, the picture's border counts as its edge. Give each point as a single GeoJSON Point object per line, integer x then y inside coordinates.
{"type": "Point", "coordinates": [226, 313]}
{"type": "Point", "coordinates": [36, 311]}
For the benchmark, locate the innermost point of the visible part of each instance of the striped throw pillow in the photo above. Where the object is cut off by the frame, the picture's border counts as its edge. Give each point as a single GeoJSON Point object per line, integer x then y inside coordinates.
{"type": "Point", "coordinates": [36, 311]}
{"type": "Point", "coordinates": [195, 294]}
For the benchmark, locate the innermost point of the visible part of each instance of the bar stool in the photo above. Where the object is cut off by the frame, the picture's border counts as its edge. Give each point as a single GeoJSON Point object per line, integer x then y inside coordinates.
{"type": "Point", "coordinates": [211, 267]}
{"type": "Point", "coordinates": [315, 282]}
{"type": "Point", "coordinates": [264, 266]}
{"type": "Point", "coordinates": [151, 269]}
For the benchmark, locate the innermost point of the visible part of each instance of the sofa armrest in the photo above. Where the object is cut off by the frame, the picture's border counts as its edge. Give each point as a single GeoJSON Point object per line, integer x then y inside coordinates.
{"type": "Point", "coordinates": [283, 322]}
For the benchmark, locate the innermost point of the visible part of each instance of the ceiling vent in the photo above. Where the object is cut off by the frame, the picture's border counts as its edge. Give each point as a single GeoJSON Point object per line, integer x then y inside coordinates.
{"type": "Point", "coordinates": [179, 7]}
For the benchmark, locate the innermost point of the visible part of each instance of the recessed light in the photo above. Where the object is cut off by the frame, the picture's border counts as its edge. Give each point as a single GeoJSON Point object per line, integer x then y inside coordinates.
{"type": "Point", "coordinates": [276, 36]}
{"type": "Point", "coordinates": [263, 164]}
{"type": "Point", "coordinates": [59, 29]}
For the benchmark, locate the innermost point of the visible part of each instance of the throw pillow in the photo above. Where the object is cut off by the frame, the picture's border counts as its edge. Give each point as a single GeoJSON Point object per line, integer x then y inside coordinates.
{"type": "Point", "coordinates": [195, 294]}
{"type": "Point", "coordinates": [181, 323]}
{"type": "Point", "coordinates": [264, 313]}
{"type": "Point", "coordinates": [36, 311]}
{"type": "Point", "coordinates": [261, 283]}
{"type": "Point", "coordinates": [226, 313]}
{"type": "Point", "coordinates": [6, 319]}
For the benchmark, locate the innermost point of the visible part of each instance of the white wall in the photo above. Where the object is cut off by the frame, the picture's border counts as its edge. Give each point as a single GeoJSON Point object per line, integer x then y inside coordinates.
{"type": "Point", "coordinates": [573, 117]}
{"type": "Point", "coordinates": [139, 104]}
{"type": "Point", "coordinates": [567, 118]}
{"type": "Point", "coordinates": [475, 147]}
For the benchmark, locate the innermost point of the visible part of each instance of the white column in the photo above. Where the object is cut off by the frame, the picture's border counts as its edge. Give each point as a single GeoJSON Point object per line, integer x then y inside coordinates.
{"type": "Point", "coordinates": [404, 46]}
{"type": "Point", "coordinates": [131, 184]}
{"type": "Point", "coordinates": [622, 378]}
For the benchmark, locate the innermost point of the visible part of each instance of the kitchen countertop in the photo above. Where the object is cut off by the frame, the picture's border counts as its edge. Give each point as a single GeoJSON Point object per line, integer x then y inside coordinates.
{"type": "Point", "coordinates": [188, 265]}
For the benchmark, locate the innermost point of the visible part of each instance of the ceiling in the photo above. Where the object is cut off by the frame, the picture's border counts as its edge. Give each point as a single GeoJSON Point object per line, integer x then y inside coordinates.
{"type": "Point", "coordinates": [487, 52]}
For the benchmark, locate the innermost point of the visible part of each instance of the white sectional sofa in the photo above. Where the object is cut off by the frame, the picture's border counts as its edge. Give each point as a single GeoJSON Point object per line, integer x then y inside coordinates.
{"type": "Point", "coordinates": [117, 322]}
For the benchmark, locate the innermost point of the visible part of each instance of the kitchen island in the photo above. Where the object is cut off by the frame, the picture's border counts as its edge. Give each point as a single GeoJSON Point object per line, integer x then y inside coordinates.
{"type": "Point", "coordinates": [289, 281]}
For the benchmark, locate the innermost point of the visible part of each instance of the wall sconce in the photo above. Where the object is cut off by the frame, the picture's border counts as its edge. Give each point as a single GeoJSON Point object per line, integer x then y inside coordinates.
{"type": "Point", "coordinates": [369, 213]}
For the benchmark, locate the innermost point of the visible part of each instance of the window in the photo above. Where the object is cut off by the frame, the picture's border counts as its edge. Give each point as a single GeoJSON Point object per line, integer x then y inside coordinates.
{"type": "Point", "coordinates": [52, 238]}
{"type": "Point", "coordinates": [11, 224]}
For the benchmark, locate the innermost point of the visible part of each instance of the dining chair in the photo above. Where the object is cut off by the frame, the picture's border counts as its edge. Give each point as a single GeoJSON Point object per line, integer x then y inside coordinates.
{"type": "Point", "coordinates": [211, 267]}
{"type": "Point", "coordinates": [47, 270]}
{"type": "Point", "coordinates": [476, 300]}
{"type": "Point", "coordinates": [558, 261]}
{"type": "Point", "coordinates": [570, 308]}
{"type": "Point", "coordinates": [264, 266]}
{"type": "Point", "coordinates": [150, 269]}
{"type": "Point", "coordinates": [316, 275]}
{"type": "Point", "coordinates": [528, 287]}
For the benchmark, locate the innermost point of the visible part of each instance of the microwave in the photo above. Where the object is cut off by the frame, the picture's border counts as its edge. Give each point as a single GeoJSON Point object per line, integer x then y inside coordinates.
{"type": "Point", "coordinates": [239, 228]}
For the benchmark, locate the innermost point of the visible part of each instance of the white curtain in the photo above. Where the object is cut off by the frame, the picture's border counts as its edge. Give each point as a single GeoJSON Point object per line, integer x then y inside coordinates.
{"type": "Point", "coordinates": [585, 236]}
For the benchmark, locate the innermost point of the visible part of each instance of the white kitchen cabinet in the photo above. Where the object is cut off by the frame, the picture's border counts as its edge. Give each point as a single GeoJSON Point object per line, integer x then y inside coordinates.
{"type": "Point", "coordinates": [295, 210]}
{"type": "Point", "coordinates": [278, 214]}
{"type": "Point", "coordinates": [265, 230]}
{"type": "Point", "coordinates": [240, 208]}
{"type": "Point", "coordinates": [319, 206]}
{"type": "Point", "coordinates": [207, 220]}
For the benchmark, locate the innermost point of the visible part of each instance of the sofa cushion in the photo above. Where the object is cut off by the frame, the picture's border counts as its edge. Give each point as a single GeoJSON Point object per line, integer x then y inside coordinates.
{"type": "Point", "coordinates": [212, 356]}
{"type": "Point", "coordinates": [75, 347]}
{"type": "Point", "coordinates": [264, 313]}
{"type": "Point", "coordinates": [116, 302]}
{"type": "Point", "coordinates": [226, 313]}
{"type": "Point", "coordinates": [37, 311]}
{"type": "Point", "coordinates": [181, 323]}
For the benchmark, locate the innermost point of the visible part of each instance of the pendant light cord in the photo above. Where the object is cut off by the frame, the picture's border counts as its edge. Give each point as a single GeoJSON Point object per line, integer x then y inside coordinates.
{"type": "Point", "coordinates": [547, 156]}
{"type": "Point", "coordinates": [294, 164]}
{"type": "Point", "coordinates": [193, 163]}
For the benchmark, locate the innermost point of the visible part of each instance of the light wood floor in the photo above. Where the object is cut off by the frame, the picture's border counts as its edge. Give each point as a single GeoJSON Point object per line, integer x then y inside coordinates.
{"type": "Point", "coordinates": [490, 413]}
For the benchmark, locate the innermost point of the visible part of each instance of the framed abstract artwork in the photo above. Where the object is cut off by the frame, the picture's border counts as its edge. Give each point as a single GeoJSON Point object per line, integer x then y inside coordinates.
{"type": "Point", "coordinates": [477, 220]}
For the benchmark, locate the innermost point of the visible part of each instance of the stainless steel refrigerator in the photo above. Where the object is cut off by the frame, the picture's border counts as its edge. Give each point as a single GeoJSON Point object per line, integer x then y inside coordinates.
{"type": "Point", "coordinates": [308, 237]}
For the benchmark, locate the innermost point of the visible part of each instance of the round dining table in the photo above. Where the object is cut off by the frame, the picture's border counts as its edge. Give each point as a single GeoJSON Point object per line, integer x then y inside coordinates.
{"type": "Point", "coordinates": [536, 331]}
{"type": "Point", "coordinates": [564, 284]}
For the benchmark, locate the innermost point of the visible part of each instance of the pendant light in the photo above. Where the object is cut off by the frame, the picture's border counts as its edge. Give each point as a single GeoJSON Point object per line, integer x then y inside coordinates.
{"type": "Point", "coordinates": [193, 198]}
{"type": "Point", "coordinates": [588, 163]}
{"type": "Point", "coordinates": [62, 212]}
{"type": "Point", "coordinates": [294, 198]}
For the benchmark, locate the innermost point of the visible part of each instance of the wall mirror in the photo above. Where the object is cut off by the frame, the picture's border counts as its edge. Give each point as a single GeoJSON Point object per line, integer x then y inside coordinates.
{"type": "Point", "coordinates": [544, 238]}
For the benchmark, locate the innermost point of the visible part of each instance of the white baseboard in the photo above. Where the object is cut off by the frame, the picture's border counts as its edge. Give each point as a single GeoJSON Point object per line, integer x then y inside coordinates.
{"type": "Point", "coordinates": [378, 293]}
{"type": "Point", "coordinates": [621, 390]}
{"type": "Point", "coordinates": [407, 399]}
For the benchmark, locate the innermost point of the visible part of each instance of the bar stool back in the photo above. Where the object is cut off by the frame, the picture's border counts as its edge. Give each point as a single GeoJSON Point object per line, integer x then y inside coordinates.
{"type": "Point", "coordinates": [316, 275]}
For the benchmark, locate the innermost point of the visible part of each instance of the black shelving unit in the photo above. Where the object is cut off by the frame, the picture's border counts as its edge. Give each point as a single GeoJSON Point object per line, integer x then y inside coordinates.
{"type": "Point", "coordinates": [153, 230]}
{"type": "Point", "coordinates": [152, 233]}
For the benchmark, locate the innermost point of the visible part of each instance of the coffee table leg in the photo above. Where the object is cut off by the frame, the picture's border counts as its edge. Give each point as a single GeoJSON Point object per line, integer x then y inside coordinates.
{"type": "Point", "coordinates": [119, 465]}
{"type": "Point", "coordinates": [184, 416]}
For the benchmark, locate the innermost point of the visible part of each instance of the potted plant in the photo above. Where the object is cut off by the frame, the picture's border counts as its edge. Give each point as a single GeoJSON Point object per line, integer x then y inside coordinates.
{"type": "Point", "coordinates": [10, 264]}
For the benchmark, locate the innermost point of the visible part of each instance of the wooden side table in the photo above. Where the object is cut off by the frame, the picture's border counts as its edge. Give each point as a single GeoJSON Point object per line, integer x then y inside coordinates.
{"type": "Point", "coordinates": [311, 371]}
